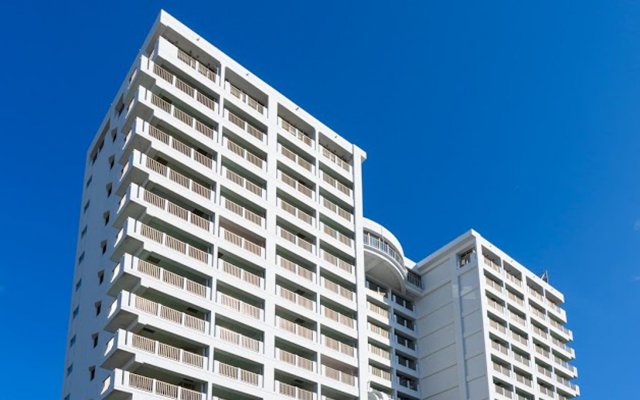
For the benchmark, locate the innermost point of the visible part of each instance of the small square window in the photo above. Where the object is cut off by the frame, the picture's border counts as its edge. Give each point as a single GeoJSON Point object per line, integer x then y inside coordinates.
{"type": "Point", "coordinates": [109, 189]}
{"type": "Point", "coordinates": [94, 158]}
{"type": "Point", "coordinates": [78, 284]}
{"type": "Point", "coordinates": [84, 231]}
{"type": "Point", "coordinates": [106, 217]}
{"type": "Point", "coordinates": [112, 161]}
{"type": "Point", "coordinates": [81, 257]}
{"type": "Point", "coordinates": [76, 311]}
{"type": "Point", "coordinates": [89, 181]}
{"type": "Point", "coordinates": [86, 206]}
{"type": "Point", "coordinates": [98, 306]}
{"type": "Point", "coordinates": [69, 369]}
{"type": "Point", "coordinates": [92, 373]}
{"type": "Point", "coordinates": [94, 340]}
{"type": "Point", "coordinates": [114, 135]}
{"type": "Point", "coordinates": [100, 277]}
{"type": "Point", "coordinates": [103, 246]}
{"type": "Point", "coordinates": [67, 397]}
{"type": "Point", "coordinates": [72, 341]}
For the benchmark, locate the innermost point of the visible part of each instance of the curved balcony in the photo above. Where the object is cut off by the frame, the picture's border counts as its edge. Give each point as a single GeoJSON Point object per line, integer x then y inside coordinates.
{"type": "Point", "coordinates": [384, 260]}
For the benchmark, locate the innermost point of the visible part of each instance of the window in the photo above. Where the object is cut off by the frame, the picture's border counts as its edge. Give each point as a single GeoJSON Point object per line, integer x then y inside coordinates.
{"type": "Point", "coordinates": [103, 246]}
{"type": "Point", "coordinates": [67, 397]}
{"type": "Point", "coordinates": [94, 158]}
{"type": "Point", "coordinates": [92, 372]}
{"type": "Point", "coordinates": [84, 231]}
{"type": "Point", "coordinates": [89, 180]}
{"type": "Point", "coordinates": [75, 311]}
{"type": "Point", "coordinates": [69, 369]}
{"type": "Point", "coordinates": [94, 340]}
{"type": "Point", "coordinates": [109, 189]}
{"type": "Point", "coordinates": [465, 257]}
{"type": "Point", "coordinates": [86, 206]}
{"type": "Point", "coordinates": [81, 257]}
{"type": "Point", "coordinates": [98, 306]}
{"type": "Point", "coordinates": [100, 277]}
{"type": "Point", "coordinates": [112, 161]}
{"type": "Point", "coordinates": [72, 341]}
{"type": "Point", "coordinates": [114, 135]}
{"type": "Point", "coordinates": [78, 284]}
{"type": "Point", "coordinates": [105, 217]}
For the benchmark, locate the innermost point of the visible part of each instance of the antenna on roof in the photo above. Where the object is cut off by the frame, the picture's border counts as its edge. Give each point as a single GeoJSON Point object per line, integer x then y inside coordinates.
{"type": "Point", "coordinates": [545, 276]}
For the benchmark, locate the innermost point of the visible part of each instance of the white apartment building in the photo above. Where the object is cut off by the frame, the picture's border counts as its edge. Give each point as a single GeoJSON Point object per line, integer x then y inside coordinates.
{"type": "Point", "coordinates": [223, 254]}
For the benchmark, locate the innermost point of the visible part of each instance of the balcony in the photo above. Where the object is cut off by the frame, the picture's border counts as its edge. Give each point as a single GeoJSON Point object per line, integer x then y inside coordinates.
{"type": "Point", "coordinates": [296, 159]}
{"type": "Point", "coordinates": [180, 115]}
{"type": "Point", "coordinates": [240, 273]}
{"type": "Point", "coordinates": [295, 298]}
{"type": "Point", "coordinates": [295, 184]}
{"type": "Point", "coordinates": [337, 289]}
{"type": "Point", "coordinates": [198, 66]}
{"type": "Point", "coordinates": [338, 317]}
{"type": "Point", "coordinates": [502, 369]}
{"type": "Point", "coordinates": [245, 98]}
{"type": "Point", "coordinates": [336, 209]}
{"type": "Point", "coordinates": [171, 208]}
{"type": "Point", "coordinates": [342, 189]}
{"type": "Point", "coordinates": [378, 330]}
{"type": "Point", "coordinates": [144, 269]}
{"type": "Point", "coordinates": [337, 262]}
{"type": "Point", "coordinates": [295, 268]}
{"type": "Point", "coordinates": [241, 242]}
{"type": "Point", "coordinates": [503, 391]}
{"type": "Point", "coordinates": [295, 328]}
{"type": "Point", "coordinates": [338, 346]}
{"type": "Point", "coordinates": [243, 212]}
{"type": "Point", "coordinates": [382, 375]}
{"type": "Point", "coordinates": [239, 306]}
{"type": "Point", "coordinates": [295, 211]}
{"type": "Point", "coordinates": [238, 339]}
{"type": "Point", "coordinates": [497, 287]}
{"type": "Point", "coordinates": [493, 265]}
{"type": "Point", "coordinates": [245, 126]}
{"type": "Point", "coordinates": [380, 352]}
{"type": "Point", "coordinates": [337, 235]}
{"type": "Point", "coordinates": [184, 87]}
{"type": "Point", "coordinates": [295, 132]}
{"type": "Point", "coordinates": [237, 374]}
{"type": "Point", "coordinates": [178, 146]}
{"type": "Point", "coordinates": [296, 240]}
{"type": "Point", "coordinates": [243, 153]}
{"type": "Point", "coordinates": [340, 376]}
{"type": "Point", "coordinates": [335, 159]}
{"type": "Point", "coordinates": [243, 182]}
{"type": "Point", "coordinates": [131, 342]}
{"type": "Point", "coordinates": [294, 392]}
{"type": "Point", "coordinates": [295, 359]}
{"type": "Point", "coordinates": [379, 311]}
{"type": "Point", "coordinates": [130, 383]}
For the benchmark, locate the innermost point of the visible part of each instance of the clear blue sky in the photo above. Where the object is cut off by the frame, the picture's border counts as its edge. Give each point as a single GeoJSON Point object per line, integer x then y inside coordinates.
{"type": "Point", "coordinates": [517, 118]}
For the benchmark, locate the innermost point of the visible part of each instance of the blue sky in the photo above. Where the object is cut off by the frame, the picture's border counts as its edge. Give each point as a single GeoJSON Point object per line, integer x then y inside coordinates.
{"type": "Point", "coordinates": [517, 119]}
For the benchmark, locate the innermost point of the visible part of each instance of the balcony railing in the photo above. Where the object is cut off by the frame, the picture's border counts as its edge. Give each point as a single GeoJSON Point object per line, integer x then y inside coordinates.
{"type": "Point", "coordinates": [167, 313]}
{"type": "Point", "coordinates": [178, 178]}
{"type": "Point", "coordinates": [503, 391]}
{"type": "Point", "coordinates": [339, 236]}
{"type": "Point", "coordinates": [338, 346]}
{"type": "Point", "coordinates": [337, 209]}
{"type": "Point", "coordinates": [159, 388]}
{"type": "Point", "coordinates": [180, 147]}
{"type": "Point", "coordinates": [240, 273]}
{"type": "Point", "coordinates": [245, 98]}
{"type": "Point", "coordinates": [237, 373]}
{"type": "Point", "coordinates": [295, 268]}
{"type": "Point", "coordinates": [383, 312]}
{"type": "Point", "coordinates": [164, 350]}
{"type": "Point", "coordinates": [295, 328]}
{"type": "Point", "coordinates": [333, 182]}
{"type": "Point", "coordinates": [492, 264]}
{"type": "Point", "coordinates": [338, 317]}
{"type": "Point", "coordinates": [245, 126]}
{"type": "Point", "coordinates": [299, 134]}
{"type": "Point", "coordinates": [378, 243]}
{"type": "Point", "coordinates": [175, 210]}
{"type": "Point", "coordinates": [380, 352]}
{"type": "Point", "coordinates": [295, 158]}
{"type": "Point", "coordinates": [295, 211]}
{"type": "Point", "coordinates": [182, 116]}
{"type": "Point", "coordinates": [244, 153]}
{"type": "Point", "coordinates": [171, 278]}
{"type": "Point", "coordinates": [378, 330]}
{"type": "Point", "coordinates": [294, 392]}
{"type": "Point", "coordinates": [295, 239]}
{"type": "Point", "coordinates": [338, 375]}
{"type": "Point", "coordinates": [242, 242]}
{"type": "Point", "coordinates": [198, 66]}
{"type": "Point", "coordinates": [240, 306]}
{"type": "Point", "coordinates": [295, 359]}
{"type": "Point", "coordinates": [338, 289]}
{"type": "Point", "coordinates": [501, 369]}
{"type": "Point", "coordinates": [173, 243]}
{"type": "Point", "coordinates": [238, 339]}
{"type": "Point", "coordinates": [493, 284]}
{"type": "Point", "coordinates": [500, 348]}
{"type": "Point", "coordinates": [297, 185]}
{"type": "Point", "coordinates": [295, 298]}
{"type": "Point", "coordinates": [338, 262]}
{"type": "Point", "coordinates": [243, 182]}
{"type": "Point", "coordinates": [185, 87]}
{"type": "Point", "coordinates": [380, 373]}
{"type": "Point", "coordinates": [330, 155]}
{"type": "Point", "coordinates": [243, 212]}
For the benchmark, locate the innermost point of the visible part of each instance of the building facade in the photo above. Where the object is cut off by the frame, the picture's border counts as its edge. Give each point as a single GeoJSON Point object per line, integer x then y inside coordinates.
{"type": "Point", "coordinates": [223, 254]}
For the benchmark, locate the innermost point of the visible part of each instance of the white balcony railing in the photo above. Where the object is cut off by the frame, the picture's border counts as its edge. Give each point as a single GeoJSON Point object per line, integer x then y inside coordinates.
{"type": "Point", "coordinates": [336, 234]}
{"type": "Point", "coordinates": [296, 184]}
{"type": "Point", "coordinates": [380, 373]}
{"type": "Point", "coordinates": [168, 277]}
{"type": "Point", "coordinates": [178, 178]}
{"type": "Point", "coordinates": [171, 242]}
{"type": "Point", "coordinates": [244, 212]}
{"type": "Point", "coordinates": [297, 159]}
{"type": "Point", "coordinates": [295, 359]}
{"type": "Point", "coordinates": [181, 85]}
{"type": "Point", "coordinates": [181, 115]}
{"type": "Point", "coordinates": [165, 350]}
{"type": "Point", "coordinates": [182, 148]}
{"type": "Point", "coordinates": [167, 313]}
{"type": "Point", "coordinates": [175, 210]}
{"type": "Point", "coordinates": [337, 262]}
{"type": "Point", "coordinates": [240, 241]}
{"type": "Point", "coordinates": [243, 182]}
{"type": "Point", "coordinates": [244, 153]}
{"type": "Point", "coordinates": [238, 339]}
{"type": "Point", "coordinates": [376, 309]}
{"type": "Point", "coordinates": [333, 182]}
{"type": "Point", "coordinates": [295, 239]}
{"type": "Point", "coordinates": [295, 211]}
{"type": "Point", "coordinates": [295, 268]}
{"type": "Point", "coordinates": [338, 317]}
{"type": "Point", "coordinates": [240, 273]}
{"type": "Point", "coordinates": [295, 328]}
{"type": "Point", "coordinates": [379, 351]}
{"type": "Point", "coordinates": [237, 373]}
{"type": "Point", "coordinates": [337, 209]}
{"type": "Point", "coordinates": [204, 70]}
{"type": "Point", "coordinates": [294, 392]}
{"type": "Point", "coordinates": [333, 157]}
{"type": "Point", "coordinates": [295, 298]}
{"type": "Point", "coordinates": [337, 375]}
{"type": "Point", "coordinates": [338, 289]}
{"type": "Point", "coordinates": [338, 346]}
{"type": "Point", "coordinates": [159, 388]}
{"type": "Point", "coordinates": [245, 98]}
{"type": "Point", "coordinates": [238, 305]}
{"type": "Point", "coordinates": [245, 125]}
{"type": "Point", "coordinates": [296, 132]}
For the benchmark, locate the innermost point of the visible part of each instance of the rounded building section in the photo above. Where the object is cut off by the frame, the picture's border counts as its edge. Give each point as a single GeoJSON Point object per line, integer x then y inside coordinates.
{"type": "Point", "coordinates": [383, 256]}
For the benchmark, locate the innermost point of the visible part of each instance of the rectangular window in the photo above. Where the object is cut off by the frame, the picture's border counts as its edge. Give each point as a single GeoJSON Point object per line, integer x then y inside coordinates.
{"type": "Point", "coordinates": [86, 206]}
{"type": "Point", "coordinates": [72, 341]}
{"type": "Point", "coordinates": [78, 284]}
{"type": "Point", "coordinates": [69, 369]}
{"type": "Point", "coordinates": [100, 277]}
{"type": "Point", "coordinates": [94, 340]}
{"type": "Point", "coordinates": [98, 307]}
{"type": "Point", "coordinates": [92, 373]}
{"type": "Point", "coordinates": [89, 180]}
{"type": "Point", "coordinates": [75, 311]}
{"type": "Point", "coordinates": [81, 258]}
{"type": "Point", "coordinates": [84, 231]}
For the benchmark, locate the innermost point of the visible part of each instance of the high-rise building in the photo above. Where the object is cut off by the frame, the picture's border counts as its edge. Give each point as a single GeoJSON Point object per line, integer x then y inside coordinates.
{"type": "Point", "coordinates": [223, 254]}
